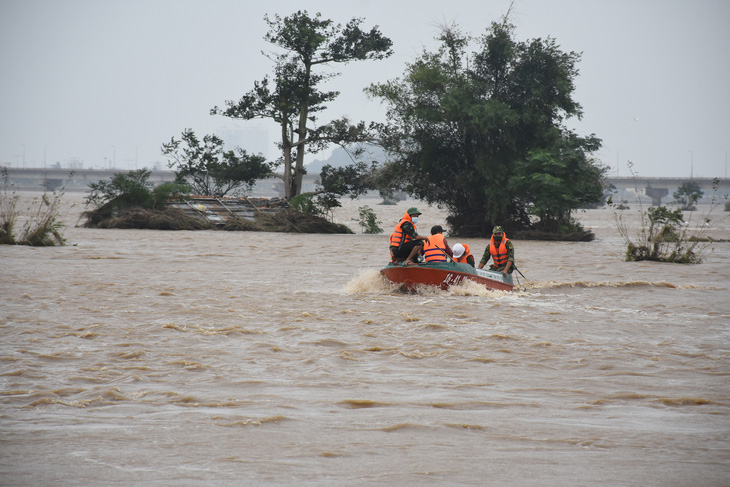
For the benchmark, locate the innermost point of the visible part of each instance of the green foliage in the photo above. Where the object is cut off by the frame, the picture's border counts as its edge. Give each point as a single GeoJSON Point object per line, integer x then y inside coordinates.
{"type": "Point", "coordinates": [353, 180]}
{"type": "Point", "coordinates": [126, 190]}
{"type": "Point", "coordinates": [327, 202]}
{"type": "Point", "coordinates": [483, 134]}
{"type": "Point", "coordinates": [555, 181]}
{"type": "Point", "coordinates": [316, 204]}
{"type": "Point", "coordinates": [43, 226]}
{"type": "Point", "coordinates": [687, 196]}
{"type": "Point", "coordinates": [292, 97]}
{"type": "Point", "coordinates": [660, 217]}
{"type": "Point", "coordinates": [166, 192]}
{"type": "Point", "coordinates": [209, 169]}
{"type": "Point", "coordinates": [368, 220]}
{"type": "Point", "coordinates": [305, 203]}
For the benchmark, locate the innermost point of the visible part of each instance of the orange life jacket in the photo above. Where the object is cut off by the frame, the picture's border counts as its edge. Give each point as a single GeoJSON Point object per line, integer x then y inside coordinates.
{"type": "Point", "coordinates": [499, 254]}
{"type": "Point", "coordinates": [464, 256]}
{"type": "Point", "coordinates": [399, 237]}
{"type": "Point", "coordinates": [435, 249]}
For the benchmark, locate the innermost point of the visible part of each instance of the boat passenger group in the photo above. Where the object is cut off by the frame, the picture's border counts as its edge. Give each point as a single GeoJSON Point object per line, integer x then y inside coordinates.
{"type": "Point", "coordinates": [407, 247]}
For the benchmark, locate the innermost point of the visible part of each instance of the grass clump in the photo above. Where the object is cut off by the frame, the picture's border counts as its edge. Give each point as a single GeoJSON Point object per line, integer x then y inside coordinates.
{"type": "Point", "coordinates": [42, 228]}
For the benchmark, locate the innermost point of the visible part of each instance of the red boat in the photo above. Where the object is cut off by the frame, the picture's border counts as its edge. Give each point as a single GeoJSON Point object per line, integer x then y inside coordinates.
{"type": "Point", "coordinates": [445, 274]}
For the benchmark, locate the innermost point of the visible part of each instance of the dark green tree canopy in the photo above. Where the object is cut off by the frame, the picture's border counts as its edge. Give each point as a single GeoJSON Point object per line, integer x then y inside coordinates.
{"type": "Point", "coordinates": [482, 134]}
{"type": "Point", "coordinates": [292, 96]}
{"type": "Point", "coordinates": [687, 195]}
{"type": "Point", "coordinates": [209, 169]}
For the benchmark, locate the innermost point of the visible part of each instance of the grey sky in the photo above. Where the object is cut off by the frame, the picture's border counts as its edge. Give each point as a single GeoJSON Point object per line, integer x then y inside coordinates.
{"type": "Point", "coordinates": [103, 80]}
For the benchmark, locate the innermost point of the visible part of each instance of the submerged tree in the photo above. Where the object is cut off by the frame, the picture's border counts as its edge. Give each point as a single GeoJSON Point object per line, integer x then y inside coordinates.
{"type": "Point", "coordinates": [209, 169]}
{"type": "Point", "coordinates": [687, 196]}
{"type": "Point", "coordinates": [292, 97]}
{"type": "Point", "coordinates": [483, 134]}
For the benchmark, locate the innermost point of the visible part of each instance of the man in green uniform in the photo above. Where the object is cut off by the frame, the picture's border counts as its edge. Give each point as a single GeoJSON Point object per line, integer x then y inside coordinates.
{"type": "Point", "coordinates": [502, 252]}
{"type": "Point", "coordinates": [405, 243]}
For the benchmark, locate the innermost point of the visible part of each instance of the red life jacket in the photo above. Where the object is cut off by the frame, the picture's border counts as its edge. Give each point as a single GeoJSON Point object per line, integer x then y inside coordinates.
{"type": "Point", "coordinates": [500, 255]}
{"type": "Point", "coordinates": [399, 237]}
{"type": "Point", "coordinates": [435, 249]}
{"type": "Point", "coordinates": [464, 256]}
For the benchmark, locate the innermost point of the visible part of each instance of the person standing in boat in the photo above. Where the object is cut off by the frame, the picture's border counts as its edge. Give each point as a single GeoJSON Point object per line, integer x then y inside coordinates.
{"type": "Point", "coordinates": [462, 254]}
{"type": "Point", "coordinates": [436, 247]}
{"type": "Point", "coordinates": [502, 252]}
{"type": "Point", "coordinates": [405, 243]}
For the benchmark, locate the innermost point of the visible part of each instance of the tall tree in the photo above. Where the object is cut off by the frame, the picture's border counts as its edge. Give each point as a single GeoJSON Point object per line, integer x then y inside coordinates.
{"type": "Point", "coordinates": [483, 134]}
{"type": "Point", "coordinates": [292, 98]}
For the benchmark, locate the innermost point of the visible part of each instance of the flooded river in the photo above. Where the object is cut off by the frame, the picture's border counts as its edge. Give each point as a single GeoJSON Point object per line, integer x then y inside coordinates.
{"type": "Point", "coordinates": [236, 358]}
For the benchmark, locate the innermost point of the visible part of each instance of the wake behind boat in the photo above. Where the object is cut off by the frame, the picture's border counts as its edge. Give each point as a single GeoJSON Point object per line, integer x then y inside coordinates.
{"type": "Point", "coordinates": [444, 275]}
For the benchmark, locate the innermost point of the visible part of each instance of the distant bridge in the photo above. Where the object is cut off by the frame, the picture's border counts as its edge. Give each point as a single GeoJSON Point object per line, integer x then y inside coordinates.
{"type": "Point", "coordinates": [54, 178]}
{"type": "Point", "coordinates": [658, 188]}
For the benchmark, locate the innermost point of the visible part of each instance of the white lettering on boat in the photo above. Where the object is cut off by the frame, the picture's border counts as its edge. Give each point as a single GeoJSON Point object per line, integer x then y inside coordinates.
{"type": "Point", "coordinates": [452, 279]}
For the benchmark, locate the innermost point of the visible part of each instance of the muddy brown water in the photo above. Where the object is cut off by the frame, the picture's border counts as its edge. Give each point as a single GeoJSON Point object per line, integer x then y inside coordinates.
{"type": "Point", "coordinates": [217, 358]}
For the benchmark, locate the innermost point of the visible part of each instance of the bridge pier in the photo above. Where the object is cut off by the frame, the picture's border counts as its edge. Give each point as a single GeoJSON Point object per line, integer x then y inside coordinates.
{"type": "Point", "coordinates": [656, 194]}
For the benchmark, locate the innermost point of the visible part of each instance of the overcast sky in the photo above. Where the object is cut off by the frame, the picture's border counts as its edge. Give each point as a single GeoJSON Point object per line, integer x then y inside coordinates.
{"type": "Point", "coordinates": [104, 81]}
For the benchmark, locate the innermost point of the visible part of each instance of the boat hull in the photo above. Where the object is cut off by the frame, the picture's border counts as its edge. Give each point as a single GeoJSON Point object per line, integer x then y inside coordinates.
{"type": "Point", "coordinates": [445, 274]}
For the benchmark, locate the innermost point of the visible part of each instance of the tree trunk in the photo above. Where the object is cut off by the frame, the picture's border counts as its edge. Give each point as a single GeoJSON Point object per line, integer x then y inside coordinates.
{"type": "Point", "coordinates": [286, 142]}
{"type": "Point", "coordinates": [302, 131]}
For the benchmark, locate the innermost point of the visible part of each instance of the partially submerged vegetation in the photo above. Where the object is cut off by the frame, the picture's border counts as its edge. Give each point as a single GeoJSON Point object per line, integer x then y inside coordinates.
{"type": "Point", "coordinates": [130, 201]}
{"type": "Point", "coordinates": [144, 218]}
{"type": "Point", "coordinates": [43, 226]}
{"type": "Point", "coordinates": [663, 234]}
{"type": "Point", "coordinates": [368, 220]}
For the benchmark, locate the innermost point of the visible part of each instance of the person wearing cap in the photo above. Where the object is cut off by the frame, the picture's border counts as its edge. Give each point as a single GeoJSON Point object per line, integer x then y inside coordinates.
{"type": "Point", "coordinates": [436, 247]}
{"type": "Point", "coordinates": [462, 254]}
{"type": "Point", "coordinates": [405, 243]}
{"type": "Point", "coordinates": [502, 252]}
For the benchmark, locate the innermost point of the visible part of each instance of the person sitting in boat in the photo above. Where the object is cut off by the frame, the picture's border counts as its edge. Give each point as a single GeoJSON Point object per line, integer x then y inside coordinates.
{"type": "Point", "coordinates": [405, 243]}
{"type": "Point", "coordinates": [502, 252]}
{"type": "Point", "coordinates": [462, 254]}
{"type": "Point", "coordinates": [436, 248]}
